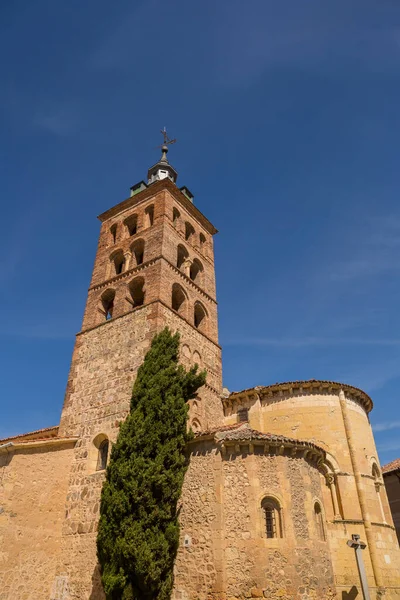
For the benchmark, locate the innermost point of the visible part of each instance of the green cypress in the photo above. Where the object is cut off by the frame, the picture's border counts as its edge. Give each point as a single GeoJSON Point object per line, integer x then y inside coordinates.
{"type": "Point", "coordinates": [138, 533]}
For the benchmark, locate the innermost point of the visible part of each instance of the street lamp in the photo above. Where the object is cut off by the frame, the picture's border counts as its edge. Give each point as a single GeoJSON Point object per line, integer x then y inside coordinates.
{"type": "Point", "coordinates": [358, 547]}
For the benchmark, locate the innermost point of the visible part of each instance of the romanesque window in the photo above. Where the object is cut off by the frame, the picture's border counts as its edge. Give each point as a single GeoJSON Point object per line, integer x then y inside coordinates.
{"type": "Point", "coordinates": [113, 232]}
{"type": "Point", "coordinates": [131, 224]}
{"type": "Point", "coordinates": [199, 316]}
{"type": "Point", "coordinates": [189, 231]}
{"type": "Point", "coordinates": [176, 215]}
{"type": "Point", "coordinates": [196, 270]}
{"type": "Point", "coordinates": [137, 292]}
{"type": "Point", "coordinates": [182, 256]}
{"type": "Point", "coordinates": [102, 455]}
{"type": "Point", "coordinates": [118, 261]}
{"type": "Point", "coordinates": [273, 518]}
{"type": "Point", "coordinates": [319, 521]}
{"type": "Point", "coordinates": [149, 213]}
{"type": "Point", "coordinates": [178, 300]}
{"type": "Point", "coordinates": [202, 239]}
{"type": "Point", "coordinates": [137, 250]}
{"type": "Point", "coordinates": [107, 304]}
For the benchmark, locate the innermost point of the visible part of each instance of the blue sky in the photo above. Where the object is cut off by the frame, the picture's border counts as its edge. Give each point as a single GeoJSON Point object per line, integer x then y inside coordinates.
{"type": "Point", "coordinates": [287, 120]}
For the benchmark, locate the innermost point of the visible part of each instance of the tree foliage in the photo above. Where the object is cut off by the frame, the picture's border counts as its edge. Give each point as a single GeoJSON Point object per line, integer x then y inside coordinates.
{"type": "Point", "coordinates": [138, 531]}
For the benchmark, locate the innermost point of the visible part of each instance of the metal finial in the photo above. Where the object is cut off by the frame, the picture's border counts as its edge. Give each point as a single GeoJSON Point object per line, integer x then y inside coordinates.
{"type": "Point", "coordinates": [167, 140]}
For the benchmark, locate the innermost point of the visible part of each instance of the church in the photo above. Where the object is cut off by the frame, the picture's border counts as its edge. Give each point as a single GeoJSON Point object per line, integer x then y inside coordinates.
{"type": "Point", "coordinates": [280, 476]}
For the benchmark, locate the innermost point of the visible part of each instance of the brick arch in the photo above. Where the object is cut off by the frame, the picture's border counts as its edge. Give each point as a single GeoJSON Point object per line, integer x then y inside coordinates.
{"type": "Point", "coordinates": [117, 262]}
{"type": "Point", "coordinates": [137, 291]}
{"type": "Point", "coordinates": [179, 300]}
{"type": "Point", "coordinates": [138, 250]}
{"type": "Point", "coordinates": [200, 316]}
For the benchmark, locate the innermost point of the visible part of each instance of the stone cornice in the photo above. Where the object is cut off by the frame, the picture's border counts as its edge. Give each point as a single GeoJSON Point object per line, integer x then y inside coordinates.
{"type": "Point", "coordinates": [11, 446]}
{"type": "Point", "coordinates": [150, 192]}
{"type": "Point", "coordinates": [301, 388]}
{"type": "Point", "coordinates": [234, 438]}
{"type": "Point", "coordinates": [125, 274]}
{"type": "Point", "coordinates": [104, 323]}
{"type": "Point", "coordinates": [143, 266]}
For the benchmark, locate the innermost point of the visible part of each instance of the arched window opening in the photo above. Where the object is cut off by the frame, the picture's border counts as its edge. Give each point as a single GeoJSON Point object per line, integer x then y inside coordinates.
{"type": "Point", "coordinates": [113, 232]}
{"type": "Point", "coordinates": [102, 456]}
{"type": "Point", "coordinates": [107, 303]}
{"type": "Point", "coordinates": [196, 358]}
{"type": "Point", "coordinates": [375, 472]}
{"type": "Point", "coordinates": [196, 426]}
{"type": "Point", "coordinates": [178, 298]}
{"type": "Point", "coordinates": [319, 521]}
{"type": "Point", "coordinates": [199, 316]}
{"type": "Point", "coordinates": [196, 269]}
{"type": "Point", "coordinates": [176, 215]}
{"type": "Point", "coordinates": [189, 231]}
{"type": "Point", "coordinates": [202, 239]}
{"type": "Point", "coordinates": [182, 256]}
{"type": "Point", "coordinates": [149, 212]}
{"type": "Point", "coordinates": [119, 262]}
{"type": "Point", "coordinates": [137, 292]}
{"type": "Point", "coordinates": [137, 250]}
{"type": "Point", "coordinates": [273, 518]}
{"type": "Point", "coordinates": [131, 224]}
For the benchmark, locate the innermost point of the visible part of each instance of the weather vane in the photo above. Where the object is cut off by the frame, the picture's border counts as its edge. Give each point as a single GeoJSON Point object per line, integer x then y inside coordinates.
{"type": "Point", "coordinates": [167, 140]}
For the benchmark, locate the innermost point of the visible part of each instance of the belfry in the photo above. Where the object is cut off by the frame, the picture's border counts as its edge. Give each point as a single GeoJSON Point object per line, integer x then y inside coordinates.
{"type": "Point", "coordinates": [280, 476]}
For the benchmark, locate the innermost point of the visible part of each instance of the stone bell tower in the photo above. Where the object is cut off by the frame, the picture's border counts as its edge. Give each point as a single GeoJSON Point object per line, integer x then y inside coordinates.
{"type": "Point", "coordinates": [154, 267]}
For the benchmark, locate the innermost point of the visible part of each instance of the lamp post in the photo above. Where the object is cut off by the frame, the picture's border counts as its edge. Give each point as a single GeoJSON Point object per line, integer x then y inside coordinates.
{"type": "Point", "coordinates": [358, 547]}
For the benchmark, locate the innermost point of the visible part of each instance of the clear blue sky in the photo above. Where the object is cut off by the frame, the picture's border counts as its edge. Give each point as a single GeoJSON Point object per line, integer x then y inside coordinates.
{"type": "Point", "coordinates": [287, 118]}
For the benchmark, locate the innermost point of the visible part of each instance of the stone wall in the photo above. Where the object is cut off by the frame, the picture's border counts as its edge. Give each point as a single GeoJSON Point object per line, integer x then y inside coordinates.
{"type": "Point", "coordinates": [338, 422]}
{"type": "Point", "coordinates": [224, 552]}
{"type": "Point", "coordinates": [33, 486]}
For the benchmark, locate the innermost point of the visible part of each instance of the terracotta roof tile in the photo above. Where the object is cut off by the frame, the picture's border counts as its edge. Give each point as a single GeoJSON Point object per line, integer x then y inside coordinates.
{"type": "Point", "coordinates": [392, 466]}
{"type": "Point", "coordinates": [243, 432]}
{"type": "Point", "coordinates": [33, 433]}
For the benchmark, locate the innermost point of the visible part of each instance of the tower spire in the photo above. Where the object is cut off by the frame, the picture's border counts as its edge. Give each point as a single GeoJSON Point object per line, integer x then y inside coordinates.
{"type": "Point", "coordinates": [163, 169]}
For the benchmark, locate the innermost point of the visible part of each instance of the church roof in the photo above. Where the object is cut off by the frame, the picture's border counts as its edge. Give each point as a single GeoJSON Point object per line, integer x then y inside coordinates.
{"type": "Point", "coordinates": [392, 466]}
{"type": "Point", "coordinates": [242, 432]}
{"type": "Point", "coordinates": [311, 386]}
{"type": "Point", "coordinates": [38, 434]}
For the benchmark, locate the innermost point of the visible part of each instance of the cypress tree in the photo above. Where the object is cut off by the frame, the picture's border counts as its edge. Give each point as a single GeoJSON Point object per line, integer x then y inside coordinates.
{"type": "Point", "coordinates": [138, 533]}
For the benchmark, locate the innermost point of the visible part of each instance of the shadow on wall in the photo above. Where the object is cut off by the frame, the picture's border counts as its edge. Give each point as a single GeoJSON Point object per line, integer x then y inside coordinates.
{"type": "Point", "coordinates": [97, 592]}
{"type": "Point", "coordinates": [351, 595]}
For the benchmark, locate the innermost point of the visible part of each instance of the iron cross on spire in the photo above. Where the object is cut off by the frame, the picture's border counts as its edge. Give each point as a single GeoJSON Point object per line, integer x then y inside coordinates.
{"type": "Point", "coordinates": [167, 140]}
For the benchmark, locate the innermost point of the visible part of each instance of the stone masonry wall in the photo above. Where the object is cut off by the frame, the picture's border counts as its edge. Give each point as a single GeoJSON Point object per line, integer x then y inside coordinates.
{"type": "Point", "coordinates": [224, 553]}
{"type": "Point", "coordinates": [33, 486]}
